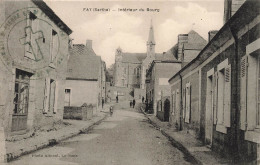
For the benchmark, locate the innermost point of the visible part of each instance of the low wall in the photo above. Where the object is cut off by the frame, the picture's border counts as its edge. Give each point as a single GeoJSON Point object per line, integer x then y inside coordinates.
{"type": "Point", "coordinates": [84, 112]}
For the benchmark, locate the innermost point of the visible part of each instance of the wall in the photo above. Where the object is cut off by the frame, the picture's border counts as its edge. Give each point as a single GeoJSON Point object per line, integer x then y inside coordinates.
{"type": "Point", "coordinates": [83, 92]}
{"type": "Point", "coordinates": [39, 66]}
{"type": "Point", "coordinates": [78, 113]}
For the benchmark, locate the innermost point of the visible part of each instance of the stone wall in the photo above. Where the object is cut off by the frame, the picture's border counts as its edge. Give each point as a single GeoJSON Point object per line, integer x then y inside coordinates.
{"type": "Point", "coordinates": [85, 112]}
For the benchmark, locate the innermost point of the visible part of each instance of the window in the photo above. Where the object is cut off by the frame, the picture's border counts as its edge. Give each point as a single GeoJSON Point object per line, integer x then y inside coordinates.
{"type": "Point", "coordinates": [53, 46]}
{"type": "Point", "coordinates": [21, 98]}
{"type": "Point", "coordinates": [222, 96]}
{"type": "Point", "coordinates": [67, 97]}
{"type": "Point", "coordinates": [30, 47]}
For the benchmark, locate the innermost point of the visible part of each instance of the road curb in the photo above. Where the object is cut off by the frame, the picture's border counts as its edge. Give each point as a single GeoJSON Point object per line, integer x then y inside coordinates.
{"type": "Point", "coordinates": [191, 158]}
{"type": "Point", "coordinates": [50, 142]}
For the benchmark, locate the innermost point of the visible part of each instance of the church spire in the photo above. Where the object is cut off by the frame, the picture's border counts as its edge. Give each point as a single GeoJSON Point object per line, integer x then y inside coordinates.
{"type": "Point", "coordinates": [151, 35]}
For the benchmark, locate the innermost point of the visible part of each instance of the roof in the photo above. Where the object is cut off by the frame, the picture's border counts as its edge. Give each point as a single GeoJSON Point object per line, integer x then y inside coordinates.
{"type": "Point", "coordinates": [194, 37]}
{"type": "Point", "coordinates": [151, 35]}
{"type": "Point", "coordinates": [168, 56]}
{"type": "Point", "coordinates": [133, 57]}
{"type": "Point", "coordinates": [193, 46]}
{"type": "Point", "coordinates": [82, 65]}
{"type": "Point", "coordinates": [234, 24]}
{"type": "Point", "coordinates": [50, 13]}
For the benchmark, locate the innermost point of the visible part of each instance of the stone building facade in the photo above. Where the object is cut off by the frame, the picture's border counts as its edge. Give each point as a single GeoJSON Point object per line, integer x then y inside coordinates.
{"type": "Point", "coordinates": [34, 52]}
{"type": "Point", "coordinates": [215, 96]}
{"type": "Point", "coordinates": [127, 69]}
{"type": "Point", "coordinates": [130, 68]}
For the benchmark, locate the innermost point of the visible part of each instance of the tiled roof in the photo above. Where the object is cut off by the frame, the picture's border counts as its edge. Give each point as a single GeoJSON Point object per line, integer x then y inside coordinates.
{"type": "Point", "coordinates": [133, 57]}
{"type": "Point", "coordinates": [83, 63]}
{"type": "Point", "coordinates": [194, 37]}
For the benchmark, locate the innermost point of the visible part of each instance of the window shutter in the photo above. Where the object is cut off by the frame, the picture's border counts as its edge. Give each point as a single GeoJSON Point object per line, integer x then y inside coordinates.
{"type": "Point", "coordinates": [215, 97]}
{"type": "Point", "coordinates": [177, 104]}
{"type": "Point", "coordinates": [183, 103]}
{"type": "Point", "coordinates": [55, 97]}
{"type": "Point", "coordinates": [227, 96]}
{"type": "Point", "coordinates": [243, 92]}
{"type": "Point", "coordinates": [46, 95]}
{"type": "Point", "coordinates": [188, 90]}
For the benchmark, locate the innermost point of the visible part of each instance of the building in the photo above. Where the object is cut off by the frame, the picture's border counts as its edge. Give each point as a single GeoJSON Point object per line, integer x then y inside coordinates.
{"type": "Point", "coordinates": [157, 76]}
{"type": "Point", "coordinates": [130, 68]}
{"type": "Point", "coordinates": [85, 82]}
{"type": "Point", "coordinates": [34, 52]}
{"type": "Point", "coordinates": [127, 72]}
{"type": "Point", "coordinates": [215, 96]}
{"type": "Point", "coordinates": [167, 64]}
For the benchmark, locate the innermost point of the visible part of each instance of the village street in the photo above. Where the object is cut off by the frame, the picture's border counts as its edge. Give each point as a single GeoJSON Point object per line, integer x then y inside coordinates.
{"type": "Point", "coordinates": [124, 138]}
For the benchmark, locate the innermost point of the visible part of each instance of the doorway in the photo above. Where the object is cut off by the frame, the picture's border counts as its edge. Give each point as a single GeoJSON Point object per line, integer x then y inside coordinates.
{"type": "Point", "coordinates": [209, 111]}
{"type": "Point", "coordinates": [166, 110]}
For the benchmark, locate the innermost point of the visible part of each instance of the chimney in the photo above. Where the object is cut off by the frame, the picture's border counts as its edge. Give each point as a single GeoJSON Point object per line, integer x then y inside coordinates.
{"type": "Point", "coordinates": [211, 34]}
{"type": "Point", "coordinates": [231, 7]}
{"type": "Point", "coordinates": [89, 44]}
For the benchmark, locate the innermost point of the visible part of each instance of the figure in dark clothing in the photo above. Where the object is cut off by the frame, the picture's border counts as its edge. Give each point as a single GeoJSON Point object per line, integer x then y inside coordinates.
{"type": "Point", "coordinates": [103, 101]}
{"type": "Point", "coordinates": [143, 99]}
{"type": "Point", "coordinates": [131, 104]}
{"type": "Point", "coordinates": [117, 99]}
{"type": "Point", "coordinates": [134, 103]}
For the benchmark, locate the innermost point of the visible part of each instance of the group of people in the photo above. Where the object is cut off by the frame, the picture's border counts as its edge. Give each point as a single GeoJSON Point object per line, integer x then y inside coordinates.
{"type": "Point", "coordinates": [132, 103]}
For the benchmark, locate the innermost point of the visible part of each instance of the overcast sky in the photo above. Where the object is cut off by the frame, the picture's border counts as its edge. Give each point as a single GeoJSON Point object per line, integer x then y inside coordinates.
{"type": "Point", "coordinates": [129, 30]}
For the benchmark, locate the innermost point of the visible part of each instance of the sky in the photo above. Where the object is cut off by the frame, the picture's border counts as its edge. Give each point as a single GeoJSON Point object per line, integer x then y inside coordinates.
{"type": "Point", "coordinates": [129, 29]}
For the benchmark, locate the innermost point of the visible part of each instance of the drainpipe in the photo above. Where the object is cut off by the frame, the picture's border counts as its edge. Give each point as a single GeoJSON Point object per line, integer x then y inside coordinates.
{"type": "Point", "coordinates": [236, 118]}
{"type": "Point", "coordinates": [181, 112]}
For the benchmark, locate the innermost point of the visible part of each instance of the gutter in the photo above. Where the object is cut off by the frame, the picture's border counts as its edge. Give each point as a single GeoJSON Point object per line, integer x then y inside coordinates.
{"type": "Point", "coordinates": [235, 147]}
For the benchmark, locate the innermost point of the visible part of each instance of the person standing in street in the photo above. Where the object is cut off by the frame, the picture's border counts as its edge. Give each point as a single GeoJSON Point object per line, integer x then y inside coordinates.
{"type": "Point", "coordinates": [143, 99]}
{"type": "Point", "coordinates": [116, 99]}
{"type": "Point", "coordinates": [103, 101]}
{"type": "Point", "coordinates": [134, 103]}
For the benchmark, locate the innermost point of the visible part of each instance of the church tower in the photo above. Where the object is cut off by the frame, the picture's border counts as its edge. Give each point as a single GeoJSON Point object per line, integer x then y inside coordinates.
{"type": "Point", "coordinates": [118, 67]}
{"type": "Point", "coordinates": [151, 43]}
{"type": "Point", "coordinates": [150, 55]}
